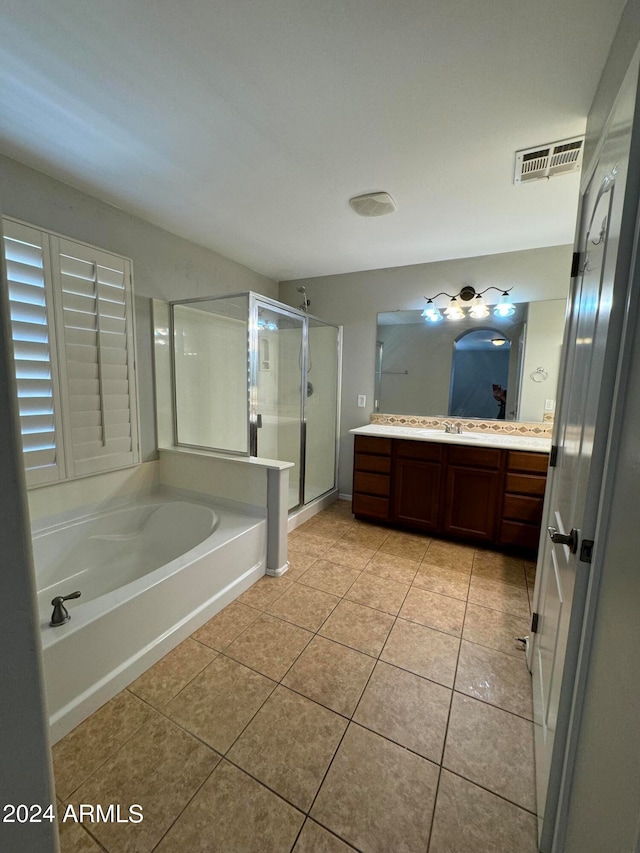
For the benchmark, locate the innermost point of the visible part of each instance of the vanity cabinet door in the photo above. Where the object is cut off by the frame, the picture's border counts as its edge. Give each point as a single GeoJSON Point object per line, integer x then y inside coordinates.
{"type": "Point", "coordinates": [416, 493]}
{"type": "Point", "coordinates": [471, 503]}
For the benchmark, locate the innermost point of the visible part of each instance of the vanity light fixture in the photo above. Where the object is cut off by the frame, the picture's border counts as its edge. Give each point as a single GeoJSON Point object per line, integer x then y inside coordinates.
{"type": "Point", "coordinates": [505, 307]}
{"type": "Point", "coordinates": [431, 313]}
{"type": "Point", "coordinates": [478, 308]}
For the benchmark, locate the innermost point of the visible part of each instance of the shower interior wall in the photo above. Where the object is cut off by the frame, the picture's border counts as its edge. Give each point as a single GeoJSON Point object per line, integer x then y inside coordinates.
{"type": "Point", "coordinates": [211, 363]}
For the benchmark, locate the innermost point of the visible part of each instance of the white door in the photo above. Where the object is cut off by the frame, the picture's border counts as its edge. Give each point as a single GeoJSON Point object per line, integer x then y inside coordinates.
{"type": "Point", "coordinates": [590, 360]}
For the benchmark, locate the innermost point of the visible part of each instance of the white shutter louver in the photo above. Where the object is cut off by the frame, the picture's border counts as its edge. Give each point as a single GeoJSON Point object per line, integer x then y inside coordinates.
{"type": "Point", "coordinates": [94, 316]}
{"type": "Point", "coordinates": [30, 297]}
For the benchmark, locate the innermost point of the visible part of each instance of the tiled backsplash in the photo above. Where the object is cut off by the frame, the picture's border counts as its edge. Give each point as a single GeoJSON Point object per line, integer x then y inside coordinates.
{"type": "Point", "coordinates": [540, 430]}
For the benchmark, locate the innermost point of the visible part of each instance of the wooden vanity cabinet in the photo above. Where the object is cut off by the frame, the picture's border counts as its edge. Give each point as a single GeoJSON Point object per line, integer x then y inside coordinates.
{"type": "Point", "coordinates": [372, 477]}
{"type": "Point", "coordinates": [525, 481]}
{"type": "Point", "coordinates": [471, 493]}
{"type": "Point", "coordinates": [480, 494]}
{"type": "Point", "coordinates": [417, 467]}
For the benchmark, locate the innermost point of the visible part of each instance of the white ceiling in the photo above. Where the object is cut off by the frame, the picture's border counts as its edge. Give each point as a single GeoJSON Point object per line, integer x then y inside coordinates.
{"type": "Point", "coordinates": [246, 126]}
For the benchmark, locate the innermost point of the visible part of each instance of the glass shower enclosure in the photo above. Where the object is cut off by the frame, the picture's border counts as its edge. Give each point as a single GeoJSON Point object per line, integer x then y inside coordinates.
{"type": "Point", "coordinates": [255, 377]}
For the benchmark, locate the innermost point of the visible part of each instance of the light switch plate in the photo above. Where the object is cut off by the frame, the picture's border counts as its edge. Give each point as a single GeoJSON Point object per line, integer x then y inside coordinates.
{"type": "Point", "coordinates": [549, 405]}
{"type": "Point", "coordinates": [362, 401]}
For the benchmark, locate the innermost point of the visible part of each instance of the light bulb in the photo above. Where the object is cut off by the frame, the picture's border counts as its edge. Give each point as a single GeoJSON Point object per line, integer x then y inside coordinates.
{"type": "Point", "coordinates": [505, 307]}
{"type": "Point", "coordinates": [453, 310]}
{"type": "Point", "coordinates": [478, 308]}
{"type": "Point", "coordinates": [431, 313]}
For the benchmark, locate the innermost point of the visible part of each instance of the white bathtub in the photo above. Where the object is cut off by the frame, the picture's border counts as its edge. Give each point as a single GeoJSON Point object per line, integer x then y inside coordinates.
{"type": "Point", "coordinates": [150, 572]}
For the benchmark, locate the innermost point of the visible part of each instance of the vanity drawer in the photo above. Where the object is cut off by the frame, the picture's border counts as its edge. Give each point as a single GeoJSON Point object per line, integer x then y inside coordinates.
{"type": "Point", "coordinates": [367, 462]}
{"type": "Point", "coordinates": [371, 484]}
{"type": "Point", "coordinates": [520, 534]}
{"type": "Point", "coordinates": [429, 450]}
{"type": "Point", "coordinates": [474, 457]}
{"type": "Point", "coordinates": [370, 506]}
{"type": "Point", "coordinates": [522, 508]}
{"type": "Point", "coordinates": [521, 460]}
{"type": "Point", "coordinates": [370, 444]}
{"type": "Point", "coordinates": [526, 484]}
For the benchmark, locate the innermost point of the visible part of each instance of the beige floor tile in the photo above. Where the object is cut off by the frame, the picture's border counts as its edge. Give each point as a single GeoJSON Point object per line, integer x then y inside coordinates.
{"type": "Point", "coordinates": [330, 527]}
{"type": "Point", "coordinates": [530, 571]}
{"type": "Point", "coordinates": [499, 567]}
{"type": "Point", "coordinates": [434, 610]}
{"type": "Point", "coordinates": [74, 839]}
{"type": "Point", "coordinates": [329, 577]}
{"type": "Point", "coordinates": [218, 703]}
{"type": "Point", "coordinates": [264, 592]}
{"type": "Point", "coordinates": [295, 573]}
{"type": "Point", "coordinates": [331, 674]}
{"type": "Point", "coordinates": [496, 678]}
{"type": "Point", "coordinates": [442, 580]}
{"type": "Point", "coordinates": [408, 545]}
{"type": "Point", "coordinates": [469, 819]}
{"type": "Point", "coordinates": [289, 745]}
{"type": "Point", "coordinates": [351, 554]}
{"type": "Point", "coordinates": [495, 629]}
{"type": "Point", "coordinates": [379, 593]}
{"type": "Point", "coordinates": [304, 606]}
{"type": "Point", "coordinates": [315, 839]}
{"type": "Point", "coordinates": [377, 795]}
{"type": "Point", "coordinates": [232, 813]}
{"type": "Point", "coordinates": [499, 596]}
{"type": "Point", "coordinates": [492, 748]}
{"type": "Point", "coordinates": [159, 684]}
{"type": "Point", "coordinates": [160, 768]}
{"type": "Point", "coordinates": [310, 543]}
{"type": "Point", "coordinates": [226, 625]}
{"type": "Point", "coordinates": [406, 709]}
{"type": "Point", "coordinates": [90, 744]}
{"type": "Point", "coordinates": [357, 626]}
{"type": "Point", "coordinates": [367, 535]}
{"type": "Point", "coordinates": [269, 645]}
{"type": "Point", "coordinates": [451, 555]}
{"type": "Point", "coordinates": [392, 567]}
{"type": "Point", "coordinates": [422, 650]}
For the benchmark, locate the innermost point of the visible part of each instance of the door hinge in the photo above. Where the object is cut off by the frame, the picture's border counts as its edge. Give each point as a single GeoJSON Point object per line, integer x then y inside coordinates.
{"type": "Point", "coordinates": [534, 623]}
{"type": "Point", "coordinates": [575, 264]}
{"type": "Point", "coordinates": [586, 550]}
{"type": "Point", "coordinates": [553, 456]}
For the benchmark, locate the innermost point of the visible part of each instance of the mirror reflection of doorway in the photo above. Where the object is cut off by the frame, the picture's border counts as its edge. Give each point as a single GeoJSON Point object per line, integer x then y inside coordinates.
{"type": "Point", "coordinates": [480, 374]}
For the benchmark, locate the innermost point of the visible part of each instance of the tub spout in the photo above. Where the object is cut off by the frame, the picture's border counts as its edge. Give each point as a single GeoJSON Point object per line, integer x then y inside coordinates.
{"type": "Point", "coordinates": [60, 613]}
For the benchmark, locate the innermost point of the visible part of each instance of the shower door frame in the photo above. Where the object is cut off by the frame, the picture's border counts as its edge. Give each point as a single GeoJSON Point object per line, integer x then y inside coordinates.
{"type": "Point", "coordinates": [253, 355]}
{"type": "Point", "coordinates": [256, 299]}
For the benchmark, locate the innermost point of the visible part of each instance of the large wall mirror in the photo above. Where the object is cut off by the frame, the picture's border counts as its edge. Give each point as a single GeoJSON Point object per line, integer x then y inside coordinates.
{"type": "Point", "coordinates": [497, 367]}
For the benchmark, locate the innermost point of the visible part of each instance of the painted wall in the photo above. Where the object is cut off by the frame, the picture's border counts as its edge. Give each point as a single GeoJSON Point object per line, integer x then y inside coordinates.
{"type": "Point", "coordinates": [545, 325]}
{"type": "Point", "coordinates": [353, 300]}
{"type": "Point", "coordinates": [164, 266]}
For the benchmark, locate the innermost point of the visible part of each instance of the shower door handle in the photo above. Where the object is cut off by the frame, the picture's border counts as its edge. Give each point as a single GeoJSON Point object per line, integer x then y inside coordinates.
{"type": "Point", "coordinates": [259, 421]}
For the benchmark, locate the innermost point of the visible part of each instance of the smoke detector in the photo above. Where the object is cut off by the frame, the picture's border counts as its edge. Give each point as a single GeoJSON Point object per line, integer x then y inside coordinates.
{"type": "Point", "coordinates": [547, 161]}
{"type": "Point", "coordinates": [373, 204]}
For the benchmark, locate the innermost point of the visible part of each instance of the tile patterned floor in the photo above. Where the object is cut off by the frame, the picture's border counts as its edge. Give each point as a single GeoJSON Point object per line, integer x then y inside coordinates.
{"type": "Point", "coordinates": [372, 699]}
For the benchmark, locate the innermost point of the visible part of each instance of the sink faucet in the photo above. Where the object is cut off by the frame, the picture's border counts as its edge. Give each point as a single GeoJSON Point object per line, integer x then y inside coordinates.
{"type": "Point", "coordinates": [452, 429]}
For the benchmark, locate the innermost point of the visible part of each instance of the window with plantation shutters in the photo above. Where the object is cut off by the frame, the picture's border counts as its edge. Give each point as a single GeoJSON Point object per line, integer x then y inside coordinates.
{"type": "Point", "coordinates": [71, 310]}
{"type": "Point", "coordinates": [96, 356]}
{"type": "Point", "coordinates": [31, 303]}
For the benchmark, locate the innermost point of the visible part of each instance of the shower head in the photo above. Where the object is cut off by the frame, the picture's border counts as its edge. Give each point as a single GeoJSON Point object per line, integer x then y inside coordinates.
{"type": "Point", "coordinates": [305, 301]}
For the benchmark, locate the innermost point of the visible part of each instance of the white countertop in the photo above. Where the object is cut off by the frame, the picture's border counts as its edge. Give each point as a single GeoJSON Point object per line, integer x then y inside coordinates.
{"type": "Point", "coordinates": [473, 439]}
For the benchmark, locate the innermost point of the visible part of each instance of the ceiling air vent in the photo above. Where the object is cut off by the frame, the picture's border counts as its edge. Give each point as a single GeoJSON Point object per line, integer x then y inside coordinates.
{"type": "Point", "coordinates": [373, 204]}
{"type": "Point", "coordinates": [545, 161]}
